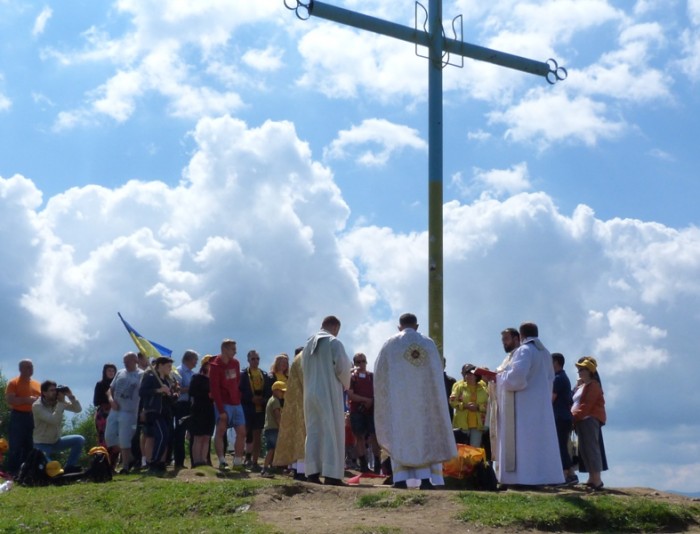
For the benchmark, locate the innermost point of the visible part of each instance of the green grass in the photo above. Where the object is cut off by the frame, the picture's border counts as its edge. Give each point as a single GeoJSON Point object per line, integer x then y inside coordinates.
{"type": "Point", "coordinates": [133, 504]}
{"type": "Point", "coordinates": [391, 499]}
{"type": "Point", "coordinates": [574, 513]}
{"type": "Point", "coordinates": [219, 502]}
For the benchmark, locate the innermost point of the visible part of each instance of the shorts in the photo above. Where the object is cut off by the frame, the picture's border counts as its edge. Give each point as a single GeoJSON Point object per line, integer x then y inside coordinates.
{"type": "Point", "coordinates": [271, 438]}
{"type": "Point", "coordinates": [120, 428]}
{"type": "Point", "coordinates": [253, 421]}
{"type": "Point", "coordinates": [362, 423]}
{"type": "Point", "coordinates": [235, 415]}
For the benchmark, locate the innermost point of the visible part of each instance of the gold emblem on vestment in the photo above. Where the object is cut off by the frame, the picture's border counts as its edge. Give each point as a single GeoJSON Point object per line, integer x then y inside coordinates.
{"type": "Point", "coordinates": [415, 355]}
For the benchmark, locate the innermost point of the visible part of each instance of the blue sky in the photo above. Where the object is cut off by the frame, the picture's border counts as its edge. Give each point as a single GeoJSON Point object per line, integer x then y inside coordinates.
{"type": "Point", "coordinates": [222, 169]}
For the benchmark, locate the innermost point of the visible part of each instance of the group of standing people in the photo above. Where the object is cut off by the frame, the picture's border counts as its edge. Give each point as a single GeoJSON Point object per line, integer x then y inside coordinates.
{"type": "Point", "coordinates": [402, 404]}
{"type": "Point", "coordinates": [151, 409]}
{"type": "Point", "coordinates": [299, 410]}
{"type": "Point", "coordinates": [535, 412]}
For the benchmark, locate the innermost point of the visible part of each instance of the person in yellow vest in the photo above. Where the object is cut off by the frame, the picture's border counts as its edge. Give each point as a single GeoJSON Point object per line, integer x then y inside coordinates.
{"type": "Point", "coordinates": [255, 392]}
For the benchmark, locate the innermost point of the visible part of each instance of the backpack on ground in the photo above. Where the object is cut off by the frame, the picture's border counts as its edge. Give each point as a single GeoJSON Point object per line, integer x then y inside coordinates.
{"type": "Point", "coordinates": [100, 469]}
{"type": "Point", "coordinates": [33, 470]}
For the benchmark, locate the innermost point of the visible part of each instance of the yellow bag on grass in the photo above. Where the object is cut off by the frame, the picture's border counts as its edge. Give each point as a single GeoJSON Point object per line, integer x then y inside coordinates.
{"type": "Point", "coordinates": [463, 464]}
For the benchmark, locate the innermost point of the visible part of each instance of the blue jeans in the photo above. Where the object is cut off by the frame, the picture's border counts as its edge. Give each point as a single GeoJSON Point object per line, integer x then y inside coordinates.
{"type": "Point", "coordinates": [20, 439]}
{"type": "Point", "coordinates": [74, 442]}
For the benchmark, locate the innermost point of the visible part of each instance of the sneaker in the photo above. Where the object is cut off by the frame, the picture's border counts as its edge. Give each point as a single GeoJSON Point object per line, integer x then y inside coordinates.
{"type": "Point", "coordinates": [266, 474]}
{"type": "Point", "coordinates": [571, 480]}
{"type": "Point", "coordinates": [223, 465]}
{"type": "Point", "coordinates": [255, 468]}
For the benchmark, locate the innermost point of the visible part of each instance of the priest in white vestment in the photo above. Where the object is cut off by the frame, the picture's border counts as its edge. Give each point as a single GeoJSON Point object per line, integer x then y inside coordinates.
{"type": "Point", "coordinates": [411, 415]}
{"type": "Point", "coordinates": [326, 371]}
{"type": "Point", "coordinates": [527, 449]}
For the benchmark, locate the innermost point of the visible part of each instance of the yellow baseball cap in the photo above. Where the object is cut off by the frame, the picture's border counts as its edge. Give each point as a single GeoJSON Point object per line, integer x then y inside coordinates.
{"type": "Point", "coordinates": [588, 363]}
{"type": "Point", "coordinates": [53, 469]}
{"type": "Point", "coordinates": [279, 385]}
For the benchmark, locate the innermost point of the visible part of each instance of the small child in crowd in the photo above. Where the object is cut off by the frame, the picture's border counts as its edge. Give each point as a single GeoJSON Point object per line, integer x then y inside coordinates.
{"type": "Point", "coordinates": [273, 413]}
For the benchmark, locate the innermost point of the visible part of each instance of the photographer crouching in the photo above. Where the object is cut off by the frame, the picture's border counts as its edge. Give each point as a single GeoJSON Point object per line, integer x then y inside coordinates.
{"type": "Point", "coordinates": [48, 423]}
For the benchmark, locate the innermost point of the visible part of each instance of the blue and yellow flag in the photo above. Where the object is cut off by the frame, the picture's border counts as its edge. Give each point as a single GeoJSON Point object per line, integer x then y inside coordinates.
{"type": "Point", "coordinates": [149, 348]}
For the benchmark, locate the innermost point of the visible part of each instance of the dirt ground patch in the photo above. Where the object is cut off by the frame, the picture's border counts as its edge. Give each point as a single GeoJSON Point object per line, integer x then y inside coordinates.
{"type": "Point", "coordinates": [300, 507]}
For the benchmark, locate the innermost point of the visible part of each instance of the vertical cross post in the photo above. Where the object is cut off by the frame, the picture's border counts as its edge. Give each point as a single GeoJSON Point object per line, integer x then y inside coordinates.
{"type": "Point", "coordinates": [439, 47]}
{"type": "Point", "coordinates": [435, 159]}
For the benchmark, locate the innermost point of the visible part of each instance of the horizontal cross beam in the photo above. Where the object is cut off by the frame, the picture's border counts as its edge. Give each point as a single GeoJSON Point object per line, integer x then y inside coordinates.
{"type": "Point", "coordinates": [412, 35]}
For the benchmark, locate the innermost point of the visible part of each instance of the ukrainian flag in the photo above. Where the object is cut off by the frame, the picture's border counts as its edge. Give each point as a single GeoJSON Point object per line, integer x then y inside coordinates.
{"type": "Point", "coordinates": [149, 348]}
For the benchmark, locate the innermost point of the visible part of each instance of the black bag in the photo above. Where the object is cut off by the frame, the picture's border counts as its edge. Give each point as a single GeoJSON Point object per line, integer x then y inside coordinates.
{"type": "Point", "coordinates": [33, 470]}
{"type": "Point", "coordinates": [485, 478]}
{"type": "Point", "coordinates": [100, 469]}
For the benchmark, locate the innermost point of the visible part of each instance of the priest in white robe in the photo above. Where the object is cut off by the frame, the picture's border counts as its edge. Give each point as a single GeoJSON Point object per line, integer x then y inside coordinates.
{"type": "Point", "coordinates": [326, 371]}
{"type": "Point", "coordinates": [411, 416]}
{"type": "Point", "coordinates": [527, 449]}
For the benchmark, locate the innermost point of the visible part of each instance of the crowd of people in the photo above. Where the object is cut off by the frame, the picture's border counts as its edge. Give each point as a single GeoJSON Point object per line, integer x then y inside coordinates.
{"type": "Point", "coordinates": [325, 412]}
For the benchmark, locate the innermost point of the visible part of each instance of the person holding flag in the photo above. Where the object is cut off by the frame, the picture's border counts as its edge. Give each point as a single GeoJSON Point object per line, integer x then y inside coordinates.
{"type": "Point", "coordinates": [158, 394]}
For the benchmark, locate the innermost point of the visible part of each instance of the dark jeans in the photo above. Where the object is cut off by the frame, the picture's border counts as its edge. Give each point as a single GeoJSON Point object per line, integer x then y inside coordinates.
{"type": "Point", "coordinates": [563, 434]}
{"type": "Point", "coordinates": [182, 409]}
{"type": "Point", "coordinates": [20, 439]}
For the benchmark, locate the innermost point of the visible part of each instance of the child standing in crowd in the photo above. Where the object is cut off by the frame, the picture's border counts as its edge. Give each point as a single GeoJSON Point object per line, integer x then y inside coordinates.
{"type": "Point", "coordinates": [273, 414]}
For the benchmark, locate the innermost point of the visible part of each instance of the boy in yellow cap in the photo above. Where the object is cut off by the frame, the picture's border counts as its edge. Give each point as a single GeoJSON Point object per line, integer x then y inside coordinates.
{"type": "Point", "coordinates": [273, 414]}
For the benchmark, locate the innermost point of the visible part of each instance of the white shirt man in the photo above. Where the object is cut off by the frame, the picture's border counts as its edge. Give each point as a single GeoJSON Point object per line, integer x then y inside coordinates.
{"type": "Point", "coordinates": [123, 395]}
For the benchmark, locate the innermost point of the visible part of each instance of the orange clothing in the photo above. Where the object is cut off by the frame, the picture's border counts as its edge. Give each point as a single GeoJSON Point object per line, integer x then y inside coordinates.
{"type": "Point", "coordinates": [23, 388]}
{"type": "Point", "coordinates": [592, 403]}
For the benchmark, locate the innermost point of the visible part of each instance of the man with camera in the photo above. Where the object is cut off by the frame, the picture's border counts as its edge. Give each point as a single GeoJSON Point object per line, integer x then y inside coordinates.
{"type": "Point", "coordinates": [48, 423]}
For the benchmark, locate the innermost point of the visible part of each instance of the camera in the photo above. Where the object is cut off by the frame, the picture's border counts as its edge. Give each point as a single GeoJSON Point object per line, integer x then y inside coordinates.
{"type": "Point", "coordinates": [62, 389]}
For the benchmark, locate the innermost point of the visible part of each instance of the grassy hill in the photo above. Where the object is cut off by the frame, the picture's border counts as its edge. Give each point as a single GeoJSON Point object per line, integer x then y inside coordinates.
{"type": "Point", "coordinates": [204, 500]}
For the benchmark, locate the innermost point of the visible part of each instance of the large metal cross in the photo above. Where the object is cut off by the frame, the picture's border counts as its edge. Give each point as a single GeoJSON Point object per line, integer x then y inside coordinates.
{"type": "Point", "coordinates": [439, 50]}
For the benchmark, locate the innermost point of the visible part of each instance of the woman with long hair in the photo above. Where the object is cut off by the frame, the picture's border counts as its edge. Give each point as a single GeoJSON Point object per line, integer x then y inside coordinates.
{"type": "Point", "coordinates": [101, 401]}
{"type": "Point", "coordinates": [279, 372]}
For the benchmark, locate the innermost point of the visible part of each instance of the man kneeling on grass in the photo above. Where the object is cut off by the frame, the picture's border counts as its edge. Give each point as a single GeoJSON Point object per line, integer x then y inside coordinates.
{"type": "Point", "coordinates": [273, 414]}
